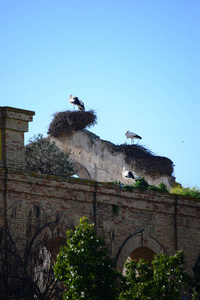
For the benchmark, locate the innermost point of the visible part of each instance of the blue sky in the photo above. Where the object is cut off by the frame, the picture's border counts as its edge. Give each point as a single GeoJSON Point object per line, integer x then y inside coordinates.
{"type": "Point", "coordinates": [135, 62]}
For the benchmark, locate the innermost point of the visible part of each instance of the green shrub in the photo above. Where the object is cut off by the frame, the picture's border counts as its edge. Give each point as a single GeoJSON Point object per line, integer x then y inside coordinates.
{"type": "Point", "coordinates": [186, 191]}
{"type": "Point", "coordinates": [141, 184]}
{"type": "Point", "coordinates": [128, 187]}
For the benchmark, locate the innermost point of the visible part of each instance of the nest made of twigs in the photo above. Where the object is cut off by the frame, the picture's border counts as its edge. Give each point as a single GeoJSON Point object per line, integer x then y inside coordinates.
{"type": "Point", "coordinates": [69, 121]}
{"type": "Point", "coordinates": [144, 159]}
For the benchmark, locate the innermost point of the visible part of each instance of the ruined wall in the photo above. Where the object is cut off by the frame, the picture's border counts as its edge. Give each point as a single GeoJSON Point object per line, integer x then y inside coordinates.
{"type": "Point", "coordinates": [94, 155]}
{"type": "Point", "coordinates": [129, 219]}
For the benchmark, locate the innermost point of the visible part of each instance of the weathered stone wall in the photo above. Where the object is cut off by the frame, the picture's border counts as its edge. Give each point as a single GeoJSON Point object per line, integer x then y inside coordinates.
{"type": "Point", "coordinates": [129, 219]}
{"type": "Point", "coordinates": [100, 164]}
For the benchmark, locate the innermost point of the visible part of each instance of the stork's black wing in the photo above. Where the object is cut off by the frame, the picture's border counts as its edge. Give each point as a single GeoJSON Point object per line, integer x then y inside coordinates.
{"type": "Point", "coordinates": [130, 175]}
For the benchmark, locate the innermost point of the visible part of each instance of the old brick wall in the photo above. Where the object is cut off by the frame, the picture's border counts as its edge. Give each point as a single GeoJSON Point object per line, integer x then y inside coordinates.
{"type": "Point", "coordinates": [129, 220]}
{"type": "Point", "coordinates": [13, 125]}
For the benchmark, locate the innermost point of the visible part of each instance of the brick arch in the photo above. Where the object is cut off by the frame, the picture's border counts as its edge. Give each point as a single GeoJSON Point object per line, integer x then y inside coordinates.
{"type": "Point", "coordinates": [142, 252]}
{"type": "Point", "coordinates": [137, 240]}
{"type": "Point", "coordinates": [81, 171]}
{"type": "Point", "coordinates": [51, 236]}
{"type": "Point", "coordinates": [53, 246]}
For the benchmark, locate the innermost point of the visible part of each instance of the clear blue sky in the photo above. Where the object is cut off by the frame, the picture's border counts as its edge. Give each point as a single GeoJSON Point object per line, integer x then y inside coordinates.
{"type": "Point", "coordinates": [135, 62]}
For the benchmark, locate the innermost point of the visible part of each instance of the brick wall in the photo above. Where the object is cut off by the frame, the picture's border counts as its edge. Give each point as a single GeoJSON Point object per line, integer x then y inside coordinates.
{"type": "Point", "coordinates": [129, 220]}
{"type": "Point", "coordinates": [13, 124]}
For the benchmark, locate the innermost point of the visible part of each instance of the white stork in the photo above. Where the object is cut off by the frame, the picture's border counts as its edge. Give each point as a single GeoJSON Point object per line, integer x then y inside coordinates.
{"type": "Point", "coordinates": [75, 101]}
{"type": "Point", "coordinates": [132, 136]}
{"type": "Point", "coordinates": [127, 174]}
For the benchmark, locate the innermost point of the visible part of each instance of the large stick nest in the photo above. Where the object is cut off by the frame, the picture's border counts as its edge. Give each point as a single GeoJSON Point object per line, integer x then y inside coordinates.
{"type": "Point", "coordinates": [68, 121]}
{"type": "Point", "coordinates": [144, 159]}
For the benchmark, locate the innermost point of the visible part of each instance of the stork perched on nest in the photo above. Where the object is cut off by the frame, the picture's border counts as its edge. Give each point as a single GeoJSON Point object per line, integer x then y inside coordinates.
{"type": "Point", "coordinates": [127, 174]}
{"type": "Point", "coordinates": [132, 136]}
{"type": "Point", "coordinates": [75, 101]}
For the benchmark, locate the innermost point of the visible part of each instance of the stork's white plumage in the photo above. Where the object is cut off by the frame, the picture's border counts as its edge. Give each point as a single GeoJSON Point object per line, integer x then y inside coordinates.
{"type": "Point", "coordinates": [75, 101]}
{"type": "Point", "coordinates": [127, 174]}
{"type": "Point", "coordinates": [132, 136]}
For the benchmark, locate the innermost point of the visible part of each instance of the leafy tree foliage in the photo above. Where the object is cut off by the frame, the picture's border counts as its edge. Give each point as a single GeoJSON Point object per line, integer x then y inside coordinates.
{"type": "Point", "coordinates": [84, 266]}
{"type": "Point", "coordinates": [44, 157]}
{"type": "Point", "coordinates": [196, 270]}
{"type": "Point", "coordinates": [163, 279]}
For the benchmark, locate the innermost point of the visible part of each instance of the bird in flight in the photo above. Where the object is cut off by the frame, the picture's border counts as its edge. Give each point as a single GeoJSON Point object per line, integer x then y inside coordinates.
{"type": "Point", "coordinates": [75, 101]}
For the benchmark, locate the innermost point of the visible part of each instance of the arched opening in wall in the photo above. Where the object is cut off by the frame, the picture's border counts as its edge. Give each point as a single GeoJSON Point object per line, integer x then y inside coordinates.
{"type": "Point", "coordinates": [142, 252]}
{"type": "Point", "coordinates": [53, 246]}
{"type": "Point", "coordinates": [80, 171]}
{"type": "Point", "coordinates": [139, 244]}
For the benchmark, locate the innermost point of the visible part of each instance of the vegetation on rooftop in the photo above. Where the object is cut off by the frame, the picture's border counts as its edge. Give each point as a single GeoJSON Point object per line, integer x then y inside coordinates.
{"type": "Point", "coordinates": [186, 191]}
{"type": "Point", "coordinates": [142, 184]}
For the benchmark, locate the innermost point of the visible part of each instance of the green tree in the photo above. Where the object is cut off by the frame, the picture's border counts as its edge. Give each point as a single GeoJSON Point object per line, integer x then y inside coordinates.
{"type": "Point", "coordinates": [85, 267]}
{"type": "Point", "coordinates": [45, 157]}
{"type": "Point", "coordinates": [165, 278]}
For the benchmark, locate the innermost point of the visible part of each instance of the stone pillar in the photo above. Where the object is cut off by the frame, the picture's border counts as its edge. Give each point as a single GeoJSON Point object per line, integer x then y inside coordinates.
{"type": "Point", "coordinates": [13, 124]}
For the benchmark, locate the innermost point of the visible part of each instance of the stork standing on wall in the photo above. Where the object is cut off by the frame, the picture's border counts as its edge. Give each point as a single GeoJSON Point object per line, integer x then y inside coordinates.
{"type": "Point", "coordinates": [127, 174]}
{"type": "Point", "coordinates": [75, 101]}
{"type": "Point", "coordinates": [132, 136]}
